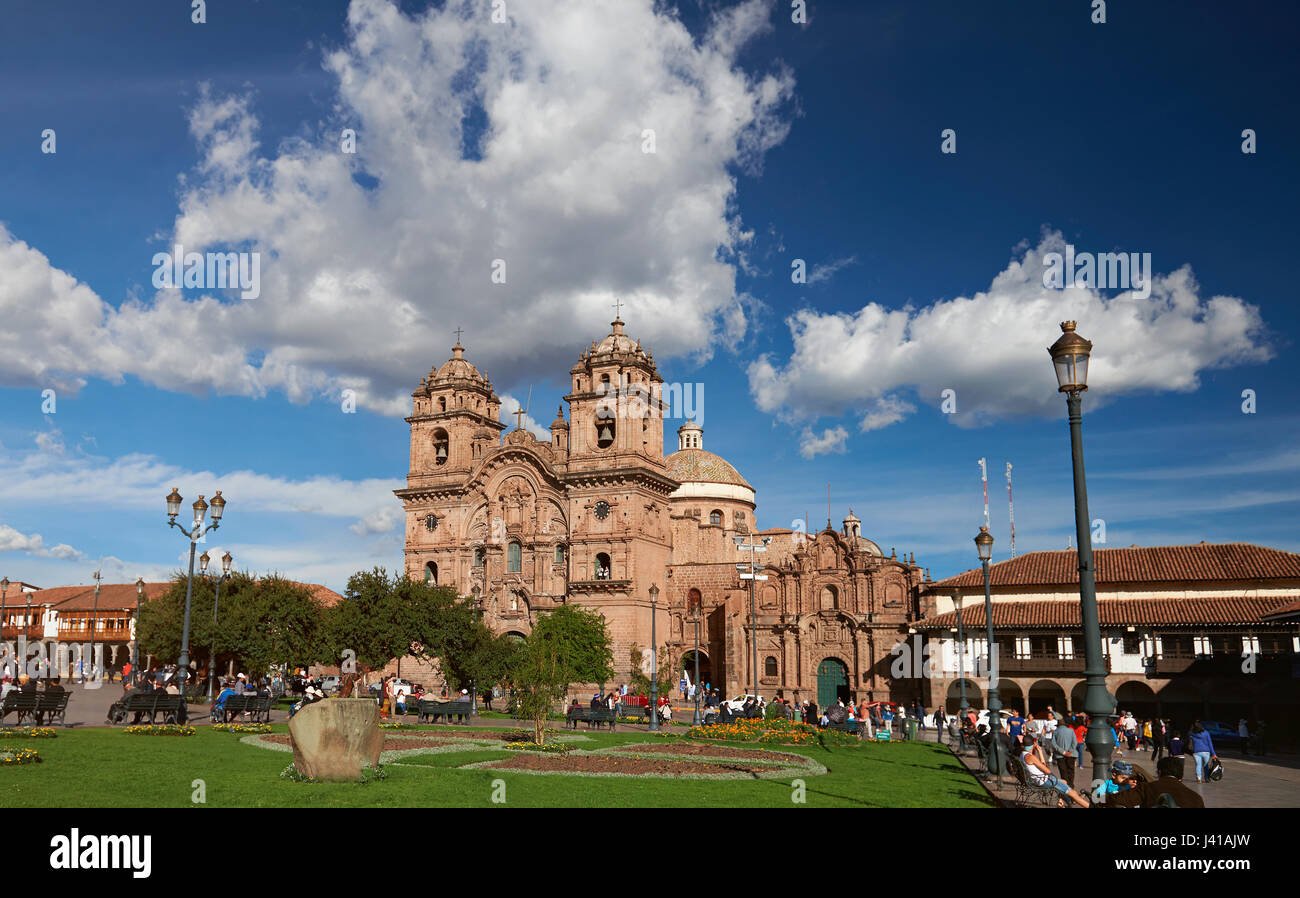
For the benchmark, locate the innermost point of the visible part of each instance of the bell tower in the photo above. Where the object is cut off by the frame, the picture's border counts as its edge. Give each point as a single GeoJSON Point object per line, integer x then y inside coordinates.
{"type": "Point", "coordinates": [616, 405]}
{"type": "Point", "coordinates": [453, 405]}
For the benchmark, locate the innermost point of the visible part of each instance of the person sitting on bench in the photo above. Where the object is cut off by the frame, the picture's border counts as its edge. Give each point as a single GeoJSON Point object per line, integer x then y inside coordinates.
{"type": "Point", "coordinates": [1166, 792]}
{"type": "Point", "coordinates": [1039, 774]}
{"type": "Point", "coordinates": [219, 706]}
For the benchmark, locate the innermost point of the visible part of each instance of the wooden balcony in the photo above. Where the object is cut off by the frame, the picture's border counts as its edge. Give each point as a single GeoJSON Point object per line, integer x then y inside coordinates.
{"type": "Point", "coordinates": [1045, 665]}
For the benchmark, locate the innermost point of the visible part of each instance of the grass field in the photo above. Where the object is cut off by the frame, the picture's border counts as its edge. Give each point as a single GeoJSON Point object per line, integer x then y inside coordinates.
{"type": "Point", "coordinates": [106, 768]}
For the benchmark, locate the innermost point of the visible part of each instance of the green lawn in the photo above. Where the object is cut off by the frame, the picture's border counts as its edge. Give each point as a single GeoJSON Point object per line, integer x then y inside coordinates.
{"type": "Point", "coordinates": [107, 768]}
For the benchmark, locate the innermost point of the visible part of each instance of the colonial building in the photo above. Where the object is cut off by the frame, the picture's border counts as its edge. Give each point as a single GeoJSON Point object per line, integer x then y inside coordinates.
{"type": "Point", "coordinates": [598, 514]}
{"type": "Point", "coordinates": [1200, 630]}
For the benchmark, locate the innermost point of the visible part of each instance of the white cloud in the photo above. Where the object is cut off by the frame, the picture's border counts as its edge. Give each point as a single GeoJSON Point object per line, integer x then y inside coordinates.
{"type": "Point", "coordinates": [886, 410]}
{"type": "Point", "coordinates": [12, 540]}
{"type": "Point", "coordinates": [556, 185]}
{"type": "Point", "coordinates": [825, 272]}
{"type": "Point", "coordinates": [382, 520]}
{"type": "Point", "coordinates": [991, 348]}
{"type": "Point", "coordinates": [509, 404]}
{"type": "Point", "coordinates": [831, 439]}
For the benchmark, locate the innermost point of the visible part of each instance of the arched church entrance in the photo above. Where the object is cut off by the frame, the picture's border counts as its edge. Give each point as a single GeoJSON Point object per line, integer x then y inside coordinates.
{"type": "Point", "coordinates": [688, 665]}
{"type": "Point", "coordinates": [832, 682]}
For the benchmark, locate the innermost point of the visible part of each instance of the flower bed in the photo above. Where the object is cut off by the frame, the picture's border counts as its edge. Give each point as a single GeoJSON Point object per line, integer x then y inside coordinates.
{"type": "Point", "coordinates": [164, 729]}
{"type": "Point", "coordinates": [242, 727]}
{"type": "Point", "coordinates": [554, 747]}
{"type": "Point", "coordinates": [28, 733]}
{"type": "Point", "coordinates": [779, 732]}
{"type": "Point", "coordinates": [13, 757]}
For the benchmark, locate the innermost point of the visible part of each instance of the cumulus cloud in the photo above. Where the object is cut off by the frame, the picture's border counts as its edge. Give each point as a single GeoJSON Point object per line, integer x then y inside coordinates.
{"type": "Point", "coordinates": [990, 348]}
{"type": "Point", "coordinates": [12, 540]}
{"type": "Point", "coordinates": [832, 439]}
{"type": "Point", "coordinates": [475, 143]}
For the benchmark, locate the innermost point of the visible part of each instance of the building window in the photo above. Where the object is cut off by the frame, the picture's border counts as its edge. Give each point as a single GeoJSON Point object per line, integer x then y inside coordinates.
{"type": "Point", "coordinates": [514, 558]}
{"type": "Point", "coordinates": [1132, 644]}
{"type": "Point", "coordinates": [830, 598]}
{"type": "Point", "coordinates": [441, 445]}
{"type": "Point", "coordinates": [431, 573]}
{"type": "Point", "coordinates": [559, 554]}
{"type": "Point", "coordinates": [715, 518]}
{"type": "Point", "coordinates": [480, 556]}
{"type": "Point", "coordinates": [769, 666]}
{"type": "Point", "coordinates": [602, 571]}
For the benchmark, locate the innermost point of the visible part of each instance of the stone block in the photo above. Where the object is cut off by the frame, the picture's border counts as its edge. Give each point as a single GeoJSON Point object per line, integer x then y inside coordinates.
{"type": "Point", "coordinates": [334, 738]}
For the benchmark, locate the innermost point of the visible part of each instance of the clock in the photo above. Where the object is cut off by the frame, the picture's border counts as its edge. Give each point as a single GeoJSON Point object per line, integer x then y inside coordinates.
{"type": "Point", "coordinates": [602, 509]}
{"type": "Point", "coordinates": [431, 522]}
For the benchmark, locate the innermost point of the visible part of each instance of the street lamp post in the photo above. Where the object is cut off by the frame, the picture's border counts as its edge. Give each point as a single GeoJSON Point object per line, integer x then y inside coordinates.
{"type": "Point", "coordinates": [135, 641]}
{"type": "Point", "coordinates": [99, 576]}
{"type": "Point", "coordinates": [1070, 359]}
{"type": "Point", "coordinates": [654, 660]}
{"type": "Point", "coordinates": [473, 683]}
{"type": "Point", "coordinates": [751, 548]}
{"type": "Point", "coordinates": [961, 659]}
{"type": "Point", "coordinates": [984, 545]}
{"type": "Point", "coordinates": [695, 619]}
{"type": "Point", "coordinates": [194, 534]}
{"type": "Point", "coordinates": [216, 603]}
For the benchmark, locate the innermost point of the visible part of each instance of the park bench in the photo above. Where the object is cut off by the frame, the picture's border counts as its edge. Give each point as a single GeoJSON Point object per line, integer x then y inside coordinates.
{"type": "Point", "coordinates": [632, 711]}
{"type": "Point", "coordinates": [172, 707]}
{"type": "Point", "coordinates": [597, 716]}
{"type": "Point", "coordinates": [430, 711]}
{"type": "Point", "coordinates": [847, 726]}
{"type": "Point", "coordinates": [1027, 792]}
{"type": "Point", "coordinates": [259, 706]}
{"type": "Point", "coordinates": [30, 705]}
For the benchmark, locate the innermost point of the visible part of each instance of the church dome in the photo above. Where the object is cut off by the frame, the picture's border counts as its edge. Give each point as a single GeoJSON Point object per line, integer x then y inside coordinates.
{"type": "Point", "coordinates": [617, 341]}
{"type": "Point", "coordinates": [457, 367]}
{"type": "Point", "coordinates": [702, 466]}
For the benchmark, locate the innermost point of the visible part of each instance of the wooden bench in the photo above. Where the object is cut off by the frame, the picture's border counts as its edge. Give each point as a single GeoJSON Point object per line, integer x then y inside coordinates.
{"type": "Point", "coordinates": [42, 707]}
{"type": "Point", "coordinates": [259, 706]}
{"type": "Point", "coordinates": [597, 716]}
{"type": "Point", "coordinates": [847, 726]}
{"type": "Point", "coordinates": [632, 711]}
{"type": "Point", "coordinates": [172, 707]}
{"type": "Point", "coordinates": [430, 711]}
{"type": "Point", "coordinates": [24, 703]}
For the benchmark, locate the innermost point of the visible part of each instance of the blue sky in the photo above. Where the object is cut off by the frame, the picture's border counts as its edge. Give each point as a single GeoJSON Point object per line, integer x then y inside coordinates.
{"type": "Point", "coordinates": [774, 142]}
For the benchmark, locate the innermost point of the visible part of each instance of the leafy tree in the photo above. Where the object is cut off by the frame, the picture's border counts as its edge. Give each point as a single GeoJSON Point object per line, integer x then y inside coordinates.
{"type": "Point", "coordinates": [640, 682]}
{"type": "Point", "coordinates": [569, 644]}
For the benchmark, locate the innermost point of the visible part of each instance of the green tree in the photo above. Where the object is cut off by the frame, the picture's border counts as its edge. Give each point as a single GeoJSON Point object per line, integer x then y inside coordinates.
{"type": "Point", "coordinates": [568, 645]}
{"type": "Point", "coordinates": [640, 681]}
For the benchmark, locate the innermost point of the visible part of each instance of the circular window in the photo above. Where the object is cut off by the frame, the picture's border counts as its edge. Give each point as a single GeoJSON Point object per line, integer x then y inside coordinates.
{"type": "Point", "coordinates": [431, 522]}
{"type": "Point", "coordinates": [602, 509]}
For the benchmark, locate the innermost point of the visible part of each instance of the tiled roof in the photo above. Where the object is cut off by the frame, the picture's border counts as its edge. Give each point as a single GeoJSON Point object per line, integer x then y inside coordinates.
{"type": "Point", "coordinates": [1208, 611]}
{"type": "Point", "coordinates": [122, 595]}
{"type": "Point", "coordinates": [82, 598]}
{"type": "Point", "coordinates": [702, 466]}
{"type": "Point", "coordinates": [1136, 564]}
{"type": "Point", "coordinates": [1289, 611]}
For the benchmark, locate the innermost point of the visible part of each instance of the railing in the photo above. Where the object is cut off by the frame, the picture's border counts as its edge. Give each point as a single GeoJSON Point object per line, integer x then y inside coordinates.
{"type": "Point", "coordinates": [1224, 664]}
{"type": "Point", "coordinates": [1046, 664]}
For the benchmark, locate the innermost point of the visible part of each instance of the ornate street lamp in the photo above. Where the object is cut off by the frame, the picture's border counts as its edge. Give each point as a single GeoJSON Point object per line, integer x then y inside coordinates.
{"type": "Point", "coordinates": [984, 546]}
{"type": "Point", "coordinates": [1070, 359]}
{"type": "Point", "coordinates": [216, 602]}
{"type": "Point", "coordinates": [654, 661]}
{"type": "Point", "coordinates": [193, 534]}
{"type": "Point", "coordinates": [135, 641]}
{"type": "Point", "coordinates": [751, 548]}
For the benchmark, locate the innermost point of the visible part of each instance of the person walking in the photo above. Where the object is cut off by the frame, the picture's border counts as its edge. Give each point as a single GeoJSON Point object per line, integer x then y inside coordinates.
{"type": "Point", "coordinates": [940, 721]}
{"type": "Point", "coordinates": [1063, 749]}
{"type": "Point", "coordinates": [1202, 751]}
{"type": "Point", "coordinates": [1158, 737]}
{"type": "Point", "coordinates": [1243, 733]}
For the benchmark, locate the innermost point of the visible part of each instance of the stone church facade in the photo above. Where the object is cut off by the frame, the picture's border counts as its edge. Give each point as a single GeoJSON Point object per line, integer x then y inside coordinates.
{"type": "Point", "coordinates": [598, 514]}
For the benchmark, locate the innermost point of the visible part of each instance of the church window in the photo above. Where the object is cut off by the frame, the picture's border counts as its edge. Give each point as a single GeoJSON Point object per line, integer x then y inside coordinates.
{"type": "Point", "coordinates": [715, 517]}
{"type": "Point", "coordinates": [442, 402]}
{"type": "Point", "coordinates": [559, 554]}
{"type": "Point", "coordinates": [514, 558]}
{"type": "Point", "coordinates": [693, 601]}
{"type": "Point", "coordinates": [441, 444]}
{"type": "Point", "coordinates": [769, 666]}
{"type": "Point", "coordinates": [480, 556]}
{"type": "Point", "coordinates": [602, 566]}
{"type": "Point", "coordinates": [431, 573]}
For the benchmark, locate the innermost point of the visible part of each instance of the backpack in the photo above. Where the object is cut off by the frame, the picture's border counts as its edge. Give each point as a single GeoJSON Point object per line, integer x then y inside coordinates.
{"type": "Point", "coordinates": [1215, 773]}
